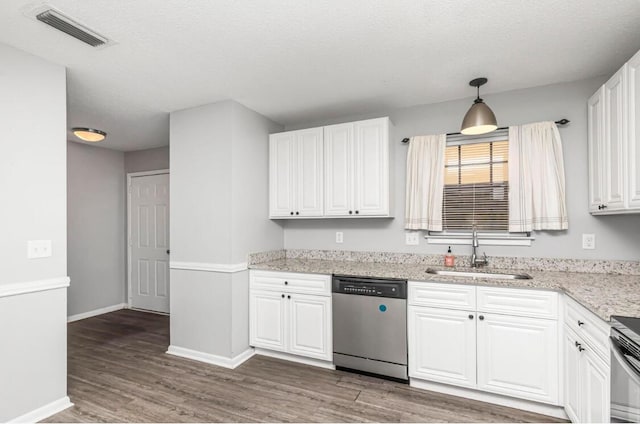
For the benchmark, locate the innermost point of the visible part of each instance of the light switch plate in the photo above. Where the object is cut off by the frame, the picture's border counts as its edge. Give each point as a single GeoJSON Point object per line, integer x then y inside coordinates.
{"type": "Point", "coordinates": [339, 237]}
{"type": "Point", "coordinates": [588, 241]}
{"type": "Point", "coordinates": [38, 249]}
{"type": "Point", "coordinates": [412, 238]}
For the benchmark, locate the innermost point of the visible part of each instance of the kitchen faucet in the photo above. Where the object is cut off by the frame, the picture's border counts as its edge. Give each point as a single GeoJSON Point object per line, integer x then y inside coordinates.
{"type": "Point", "coordinates": [475, 262]}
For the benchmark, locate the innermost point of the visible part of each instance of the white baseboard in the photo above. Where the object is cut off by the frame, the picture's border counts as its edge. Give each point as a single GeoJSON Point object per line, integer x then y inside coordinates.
{"type": "Point", "coordinates": [525, 405]}
{"type": "Point", "coordinates": [209, 358]}
{"type": "Point", "coordinates": [44, 411]}
{"type": "Point", "coordinates": [296, 358]}
{"type": "Point", "coordinates": [96, 312]}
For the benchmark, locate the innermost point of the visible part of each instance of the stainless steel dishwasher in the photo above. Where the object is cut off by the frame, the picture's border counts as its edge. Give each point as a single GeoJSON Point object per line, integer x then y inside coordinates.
{"type": "Point", "coordinates": [370, 325]}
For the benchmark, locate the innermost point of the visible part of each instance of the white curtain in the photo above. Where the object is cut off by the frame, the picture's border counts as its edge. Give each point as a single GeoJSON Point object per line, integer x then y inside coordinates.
{"type": "Point", "coordinates": [536, 178]}
{"type": "Point", "coordinates": [425, 182]}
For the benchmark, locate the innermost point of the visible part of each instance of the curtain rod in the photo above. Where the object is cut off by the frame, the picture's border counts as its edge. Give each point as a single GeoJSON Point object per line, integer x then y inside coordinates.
{"type": "Point", "coordinates": [562, 121]}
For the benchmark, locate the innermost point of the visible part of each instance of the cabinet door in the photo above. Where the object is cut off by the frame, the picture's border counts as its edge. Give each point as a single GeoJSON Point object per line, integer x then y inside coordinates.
{"type": "Point", "coordinates": [309, 172]}
{"type": "Point", "coordinates": [518, 356]}
{"type": "Point", "coordinates": [615, 141]}
{"type": "Point", "coordinates": [595, 136]}
{"type": "Point", "coordinates": [339, 170]}
{"type": "Point", "coordinates": [309, 323]}
{"type": "Point", "coordinates": [595, 388]}
{"type": "Point", "coordinates": [267, 320]}
{"type": "Point", "coordinates": [371, 154]}
{"type": "Point", "coordinates": [442, 345]}
{"type": "Point", "coordinates": [571, 377]}
{"type": "Point", "coordinates": [633, 125]}
{"type": "Point", "coordinates": [281, 174]}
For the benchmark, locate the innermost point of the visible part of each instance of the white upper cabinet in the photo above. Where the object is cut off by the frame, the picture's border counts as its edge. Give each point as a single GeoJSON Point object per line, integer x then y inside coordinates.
{"type": "Point", "coordinates": [357, 169]}
{"type": "Point", "coordinates": [335, 171]}
{"type": "Point", "coordinates": [371, 163]}
{"type": "Point", "coordinates": [633, 126]}
{"type": "Point", "coordinates": [296, 174]}
{"type": "Point", "coordinates": [339, 169]}
{"type": "Point", "coordinates": [595, 137]}
{"type": "Point", "coordinates": [613, 135]}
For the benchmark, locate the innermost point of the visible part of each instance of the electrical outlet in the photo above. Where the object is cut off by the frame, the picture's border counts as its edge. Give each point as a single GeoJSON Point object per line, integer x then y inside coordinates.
{"type": "Point", "coordinates": [588, 241]}
{"type": "Point", "coordinates": [38, 249]}
{"type": "Point", "coordinates": [339, 237]}
{"type": "Point", "coordinates": [412, 238]}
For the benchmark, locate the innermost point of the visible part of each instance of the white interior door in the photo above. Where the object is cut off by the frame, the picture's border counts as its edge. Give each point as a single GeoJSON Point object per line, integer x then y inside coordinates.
{"type": "Point", "coordinates": [149, 242]}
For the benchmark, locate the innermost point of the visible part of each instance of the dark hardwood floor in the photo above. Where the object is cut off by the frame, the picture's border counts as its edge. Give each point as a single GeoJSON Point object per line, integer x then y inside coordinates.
{"type": "Point", "coordinates": [119, 372]}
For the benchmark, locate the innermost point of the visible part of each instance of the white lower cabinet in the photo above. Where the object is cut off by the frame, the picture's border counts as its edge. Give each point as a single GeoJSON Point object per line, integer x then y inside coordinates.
{"type": "Point", "coordinates": [586, 382]}
{"type": "Point", "coordinates": [518, 356]}
{"type": "Point", "coordinates": [284, 317]}
{"type": "Point", "coordinates": [445, 346]}
{"type": "Point", "coordinates": [586, 366]}
{"type": "Point", "coordinates": [514, 355]}
{"type": "Point", "coordinates": [267, 318]}
{"type": "Point", "coordinates": [310, 325]}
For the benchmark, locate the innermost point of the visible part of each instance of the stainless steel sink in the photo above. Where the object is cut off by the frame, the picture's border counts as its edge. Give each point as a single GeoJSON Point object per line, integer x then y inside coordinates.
{"type": "Point", "coordinates": [480, 274]}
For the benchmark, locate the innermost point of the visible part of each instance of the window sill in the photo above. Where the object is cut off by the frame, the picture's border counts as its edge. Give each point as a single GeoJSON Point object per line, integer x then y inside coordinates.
{"type": "Point", "coordinates": [483, 239]}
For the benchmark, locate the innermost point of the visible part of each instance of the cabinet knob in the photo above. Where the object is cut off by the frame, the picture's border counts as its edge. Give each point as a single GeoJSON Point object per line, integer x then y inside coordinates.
{"type": "Point", "coordinates": [579, 346]}
{"type": "Point", "coordinates": [470, 316]}
{"type": "Point", "coordinates": [580, 323]}
{"type": "Point", "coordinates": [357, 212]}
{"type": "Point", "coordinates": [481, 317]}
{"type": "Point", "coordinates": [288, 296]}
{"type": "Point", "coordinates": [604, 206]}
{"type": "Point", "coordinates": [291, 213]}
{"type": "Point", "coordinates": [286, 282]}
{"type": "Point", "coordinates": [350, 212]}
{"type": "Point", "coordinates": [297, 213]}
{"type": "Point", "coordinates": [283, 296]}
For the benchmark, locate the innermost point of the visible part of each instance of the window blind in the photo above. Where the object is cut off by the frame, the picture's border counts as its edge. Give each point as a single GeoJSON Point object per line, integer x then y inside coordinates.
{"type": "Point", "coordinates": [476, 186]}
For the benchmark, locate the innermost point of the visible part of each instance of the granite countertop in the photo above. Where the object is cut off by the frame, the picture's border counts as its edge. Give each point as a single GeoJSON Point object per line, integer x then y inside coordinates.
{"type": "Point", "coordinates": [603, 294]}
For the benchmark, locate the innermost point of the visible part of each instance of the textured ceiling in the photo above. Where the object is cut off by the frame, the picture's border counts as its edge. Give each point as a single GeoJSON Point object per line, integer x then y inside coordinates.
{"type": "Point", "coordinates": [309, 60]}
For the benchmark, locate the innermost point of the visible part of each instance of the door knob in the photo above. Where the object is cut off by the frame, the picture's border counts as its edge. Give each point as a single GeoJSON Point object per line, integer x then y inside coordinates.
{"type": "Point", "coordinates": [168, 251]}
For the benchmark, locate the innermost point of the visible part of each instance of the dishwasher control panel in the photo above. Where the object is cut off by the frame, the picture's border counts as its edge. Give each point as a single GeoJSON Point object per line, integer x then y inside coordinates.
{"type": "Point", "coordinates": [369, 286]}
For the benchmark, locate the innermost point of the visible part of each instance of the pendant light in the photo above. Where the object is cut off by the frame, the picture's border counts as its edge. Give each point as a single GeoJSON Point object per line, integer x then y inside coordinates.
{"type": "Point", "coordinates": [479, 118]}
{"type": "Point", "coordinates": [89, 134]}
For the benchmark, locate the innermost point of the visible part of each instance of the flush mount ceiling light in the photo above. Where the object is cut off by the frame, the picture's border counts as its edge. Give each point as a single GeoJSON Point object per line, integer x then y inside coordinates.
{"type": "Point", "coordinates": [89, 134]}
{"type": "Point", "coordinates": [479, 118]}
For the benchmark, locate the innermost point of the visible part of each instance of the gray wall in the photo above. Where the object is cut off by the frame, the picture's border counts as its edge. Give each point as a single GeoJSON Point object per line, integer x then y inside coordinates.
{"type": "Point", "coordinates": [252, 229]}
{"type": "Point", "coordinates": [616, 236]}
{"type": "Point", "coordinates": [96, 222]}
{"type": "Point", "coordinates": [33, 363]}
{"type": "Point", "coordinates": [201, 184]}
{"type": "Point", "coordinates": [219, 209]}
{"type": "Point", "coordinates": [147, 160]}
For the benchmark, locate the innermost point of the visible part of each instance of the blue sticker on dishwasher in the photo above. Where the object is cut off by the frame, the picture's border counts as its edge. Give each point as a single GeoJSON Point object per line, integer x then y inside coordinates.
{"type": "Point", "coordinates": [382, 308]}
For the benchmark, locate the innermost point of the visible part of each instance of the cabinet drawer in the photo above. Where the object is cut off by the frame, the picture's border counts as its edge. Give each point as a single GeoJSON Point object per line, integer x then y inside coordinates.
{"type": "Point", "coordinates": [520, 302]}
{"type": "Point", "coordinates": [290, 282]}
{"type": "Point", "coordinates": [588, 326]}
{"type": "Point", "coordinates": [440, 295]}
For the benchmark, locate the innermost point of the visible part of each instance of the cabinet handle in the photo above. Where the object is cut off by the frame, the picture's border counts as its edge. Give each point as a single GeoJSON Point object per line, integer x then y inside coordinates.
{"type": "Point", "coordinates": [481, 317]}
{"type": "Point", "coordinates": [602, 207]}
{"type": "Point", "coordinates": [470, 316]}
{"type": "Point", "coordinates": [357, 212]}
{"type": "Point", "coordinates": [288, 296]}
{"type": "Point", "coordinates": [580, 323]}
{"type": "Point", "coordinates": [350, 212]}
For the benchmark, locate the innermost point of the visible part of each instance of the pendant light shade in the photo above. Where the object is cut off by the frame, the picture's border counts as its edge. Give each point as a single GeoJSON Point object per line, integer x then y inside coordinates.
{"type": "Point", "coordinates": [479, 118]}
{"type": "Point", "coordinates": [89, 134]}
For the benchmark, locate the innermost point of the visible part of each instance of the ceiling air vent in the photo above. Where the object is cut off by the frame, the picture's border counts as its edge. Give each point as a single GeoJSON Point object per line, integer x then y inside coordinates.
{"type": "Point", "coordinates": [67, 25]}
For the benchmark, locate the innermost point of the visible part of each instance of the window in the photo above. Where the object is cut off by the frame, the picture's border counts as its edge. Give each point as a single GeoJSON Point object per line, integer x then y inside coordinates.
{"type": "Point", "coordinates": [476, 186]}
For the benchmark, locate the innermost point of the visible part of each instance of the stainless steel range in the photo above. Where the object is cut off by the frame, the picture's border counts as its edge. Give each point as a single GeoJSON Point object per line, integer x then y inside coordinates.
{"type": "Point", "coordinates": [370, 325]}
{"type": "Point", "coordinates": [625, 369]}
